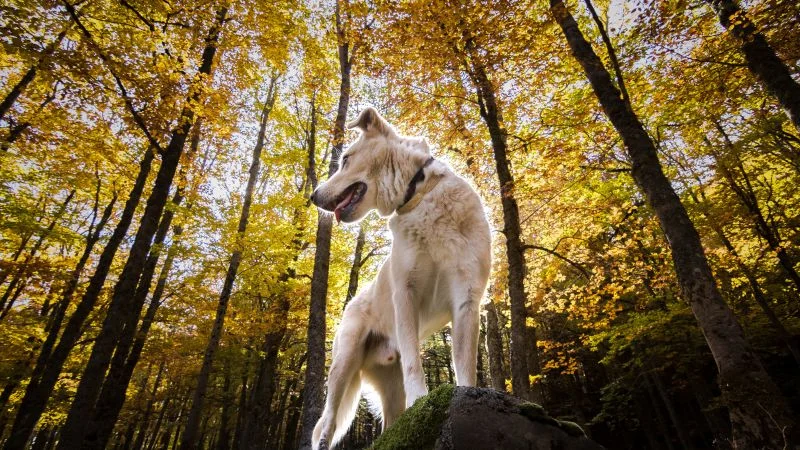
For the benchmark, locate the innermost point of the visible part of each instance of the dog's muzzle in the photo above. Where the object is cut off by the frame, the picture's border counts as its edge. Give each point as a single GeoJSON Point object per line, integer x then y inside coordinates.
{"type": "Point", "coordinates": [343, 204]}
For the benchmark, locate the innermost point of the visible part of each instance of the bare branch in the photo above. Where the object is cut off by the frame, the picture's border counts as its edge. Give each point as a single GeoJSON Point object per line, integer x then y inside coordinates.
{"type": "Point", "coordinates": [128, 102]}
{"type": "Point", "coordinates": [574, 264]}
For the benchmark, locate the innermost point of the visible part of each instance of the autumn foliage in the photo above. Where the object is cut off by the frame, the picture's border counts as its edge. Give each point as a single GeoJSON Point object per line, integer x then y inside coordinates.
{"type": "Point", "coordinates": [159, 255]}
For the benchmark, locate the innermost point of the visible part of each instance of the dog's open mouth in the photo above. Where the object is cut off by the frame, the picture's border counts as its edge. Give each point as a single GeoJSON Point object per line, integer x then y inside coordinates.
{"type": "Point", "coordinates": [348, 199]}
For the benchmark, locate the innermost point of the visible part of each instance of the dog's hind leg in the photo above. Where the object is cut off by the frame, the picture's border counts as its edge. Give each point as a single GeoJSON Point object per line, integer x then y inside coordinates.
{"type": "Point", "coordinates": [387, 380]}
{"type": "Point", "coordinates": [465, 301]}
{"type": "Point", "coordinates": [344, 385]}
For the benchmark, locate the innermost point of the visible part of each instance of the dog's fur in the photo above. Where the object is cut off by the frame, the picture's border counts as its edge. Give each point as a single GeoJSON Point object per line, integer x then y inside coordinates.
{"type": "Point", "coordinates": [436, 273]}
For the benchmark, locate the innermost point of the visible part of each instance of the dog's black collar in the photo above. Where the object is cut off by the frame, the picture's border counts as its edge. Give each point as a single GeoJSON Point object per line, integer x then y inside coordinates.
{"type": "Point", "coordinates": [412, 185]}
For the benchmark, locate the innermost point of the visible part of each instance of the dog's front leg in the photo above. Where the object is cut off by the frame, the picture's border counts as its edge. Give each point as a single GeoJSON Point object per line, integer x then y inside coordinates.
{"type": "Point", "coordinates": [465, 301]}
{"type": "Point", "coordinates": [344, 382]}
{"type": "Point", "coordinates": [408, 343]}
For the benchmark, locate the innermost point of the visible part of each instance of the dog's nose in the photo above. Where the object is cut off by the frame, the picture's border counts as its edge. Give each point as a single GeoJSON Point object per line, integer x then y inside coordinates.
{"type": "Point", "coordinates": [313, 197]}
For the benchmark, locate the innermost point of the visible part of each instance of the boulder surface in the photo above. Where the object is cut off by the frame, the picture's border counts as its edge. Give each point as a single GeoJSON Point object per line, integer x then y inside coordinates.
{"type": "Point", "coordinates": [469, 418]}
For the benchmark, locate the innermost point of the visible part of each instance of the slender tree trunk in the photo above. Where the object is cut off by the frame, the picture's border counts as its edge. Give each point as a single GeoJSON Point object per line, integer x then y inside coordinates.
{"type": "Point", "coordinates": [761, 58]}
{"type": "Point", "coordinates": [755, 286]}
{"type": "Point", "coordinates": [145, 420]}
{"type": "Point", "coordinates": [19, 279]}
{"type": "Point", "coordinates": [315, 365]}
{"type": "Point", "coordinates": [290, 434]}
{"type": "Point", "coordinates": [112, 395]}
{"type": "Point", "coordinates": [228, 402]}
{"type": "Point", "coordinates": [48, 366]}
{"type": "Point", "coordinates": [494, 347]}
{"type": "Point", "coordinates": [660, 421]}
{"type": "Point", "coordinates": [26, 79]}
{"type": "Point", "coordinates": [534, 368]}
{"type": "Point", "coordinates": [131, 342]}
{"type": "Point", "coordinates": [673, 414]}
{"type": "Point", "coordinates": [93, 235]}
{"type": "Point", "coordinates": [744, 191]}
{"type": "Point", "coordinates": [241, 417]}
{"type": "Point", "coordinates": [121, 308]}
{"type": "Point", "coordinates": [355, 269]}
{"type": "Point", "coordinates": [515, 249]}
{"type": "Point", "coordinates": [157, 428]}
{"type": "Point", "coordinates": [190, 439]}
{"type": "Point", "coordinates": [742, 378]}
{"type": "Point", "coordinates": [255, 433]}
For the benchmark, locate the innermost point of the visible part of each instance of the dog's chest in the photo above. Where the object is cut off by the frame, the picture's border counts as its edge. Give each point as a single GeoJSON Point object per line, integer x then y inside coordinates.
{"type": "Point", "coordinates": [430, 231]}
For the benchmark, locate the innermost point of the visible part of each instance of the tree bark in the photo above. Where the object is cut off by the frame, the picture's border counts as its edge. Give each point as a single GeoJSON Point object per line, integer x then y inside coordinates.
{"type": "Point", "coordinates": [19, 279]}
{"type": "Point", "coordinates": [355, 269]}
{"type": "Point", "coordinates": [256, 428]}
{"type": "Point", "coordinates": [228, 403]}
{"type": "Point", "coordinates": [190, 439]}
{"type": "Point", "coordinates": [121, 308]}
{"type": "Point", "coordinates": [112, 394]}
{"type": "Point", "coordinates": [48, 366]}
{"type": "Point", "coordinates": [494, 348]}
{"type": "Point", "coordinates": [131, 341]}
{"type": "Point", "coordinates": [515, 249]}
{"type": "Point", "coordinates": [746, 194]}
{"type": "Point", "coordinates": [742, 378]}
{"type": "Point", "coordinates": [755, 286]}
{"type": "Point", "coordinates": [761, 58]}
{"type": "Point", "coordinates": [315, 365]}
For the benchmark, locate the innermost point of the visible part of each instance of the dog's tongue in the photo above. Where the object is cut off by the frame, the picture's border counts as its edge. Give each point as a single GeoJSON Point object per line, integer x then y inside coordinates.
{"type": "Point", "coordinates": [338, 210]}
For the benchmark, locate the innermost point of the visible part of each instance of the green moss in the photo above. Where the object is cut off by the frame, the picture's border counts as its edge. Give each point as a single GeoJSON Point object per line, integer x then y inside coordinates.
{"type": "Point", "coordinates": [529, 410]}
{"type": "Point", "coordinates": [537, 413]}
{"type": "Point", "coordinates": [418, 427]}
{"type": "Point", "coordinates": [571, 428]}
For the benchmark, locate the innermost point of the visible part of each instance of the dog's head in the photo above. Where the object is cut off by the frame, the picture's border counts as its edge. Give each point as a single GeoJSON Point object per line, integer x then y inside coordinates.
{"type": "Point", "coordinates": [374, 171]}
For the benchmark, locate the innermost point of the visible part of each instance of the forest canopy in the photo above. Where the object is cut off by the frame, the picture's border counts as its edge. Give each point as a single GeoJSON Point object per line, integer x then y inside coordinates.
{"type": "Point", "coordinates": [165, 281]}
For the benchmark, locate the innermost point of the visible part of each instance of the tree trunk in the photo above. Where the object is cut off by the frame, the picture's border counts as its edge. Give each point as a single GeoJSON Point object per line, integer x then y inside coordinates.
{"type": "Point", "coordinates": [742, 378]}
{"type": "Point", "coordinates": [228, 402]}
{"type": "Point", "coordinates": [315, 365]}
{"type": "Point", "coordinates": [190, 439]}
{"type": "Point", "coordinates": [112, 395]}
{"type": "Point", "coordinates": [48, 366]}
{"type": "Point", "coordinates": [157, 427]}
{"type": "Point", "coordinates": [255, 432]}
{"type": "Point", "coordinates": [241, 420]}
{"type": "Point", "coordinates": [19, 279]}
{"type": "Point", "coordinates": [761, 58]}
{"type": "Point", "coordinates": [755, 286]}
{"type": "Point", "coordinates": [494, 348]}
{"type": "Point", "coordinates": [673, 415]}
{"type": "Point", "coordinates": [93, 235]}
{"type": "Point", "coordinates": [131, 341]}
{"type": "Point", "coordinates": [746, 194]}
{"type": "Point", "coordinates": [534, 368]}
{"type": "Point", "coordinates": [355, 269]}
{"type": "Point", "coordinates": [515, 250]}
{"type": "Point", "coordinates": [121, 308]}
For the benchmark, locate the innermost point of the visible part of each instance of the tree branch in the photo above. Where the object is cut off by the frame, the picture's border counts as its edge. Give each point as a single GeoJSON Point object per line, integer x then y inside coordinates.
{"type": "Point", "coordinates": [574, 264]}
{"type": "Point", "coordinates": [128, 102]}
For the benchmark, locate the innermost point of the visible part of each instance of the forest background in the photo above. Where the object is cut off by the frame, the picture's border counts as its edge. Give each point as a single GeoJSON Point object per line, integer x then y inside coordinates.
{"type": "Point", "coordinates": [166, 284]}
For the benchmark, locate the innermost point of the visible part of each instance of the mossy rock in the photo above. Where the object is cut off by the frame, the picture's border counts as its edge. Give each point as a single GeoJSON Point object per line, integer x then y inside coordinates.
{"type": "Point", "coordinates": [420, 426]}
{"type": "Point", "coordinates": [467, 418]}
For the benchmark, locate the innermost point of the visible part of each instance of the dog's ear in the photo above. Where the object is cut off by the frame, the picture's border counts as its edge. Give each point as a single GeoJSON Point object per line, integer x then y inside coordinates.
{"type": "Point", "coordinates": [370, 121]}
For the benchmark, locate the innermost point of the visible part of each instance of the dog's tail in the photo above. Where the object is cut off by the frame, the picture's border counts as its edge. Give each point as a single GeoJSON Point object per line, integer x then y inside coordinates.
{"type": "Point", "coordinates": [348, 407]}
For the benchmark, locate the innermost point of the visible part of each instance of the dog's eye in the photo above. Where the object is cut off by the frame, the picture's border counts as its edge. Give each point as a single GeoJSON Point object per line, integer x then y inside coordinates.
{"type": "Point", "coordinates": [344, 160]}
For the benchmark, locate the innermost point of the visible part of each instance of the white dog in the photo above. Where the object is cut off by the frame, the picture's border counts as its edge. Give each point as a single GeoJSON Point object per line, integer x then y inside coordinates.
{"type": "Point", "coordinates": [436, 273]}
